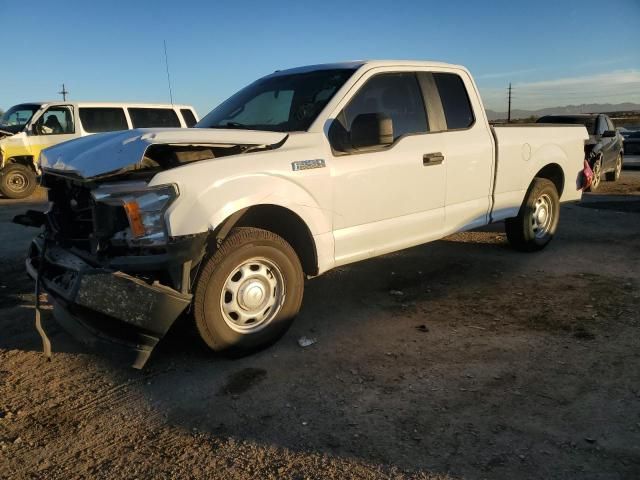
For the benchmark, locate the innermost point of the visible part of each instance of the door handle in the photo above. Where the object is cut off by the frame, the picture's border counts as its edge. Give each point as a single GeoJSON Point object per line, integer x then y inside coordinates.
{"type": "Point", "coordinates": [435, 158]}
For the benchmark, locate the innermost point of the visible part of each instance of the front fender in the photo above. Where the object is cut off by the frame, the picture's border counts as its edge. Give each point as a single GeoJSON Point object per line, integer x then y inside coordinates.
{"type": "Point", "coordinates": [209, 208]}
{"type": "Point", "coordinates": [14, 146]}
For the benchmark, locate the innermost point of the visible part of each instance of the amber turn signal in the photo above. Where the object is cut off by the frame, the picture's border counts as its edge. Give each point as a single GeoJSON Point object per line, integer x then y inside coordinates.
{"type": "Point", "coordinates": [135, 220]}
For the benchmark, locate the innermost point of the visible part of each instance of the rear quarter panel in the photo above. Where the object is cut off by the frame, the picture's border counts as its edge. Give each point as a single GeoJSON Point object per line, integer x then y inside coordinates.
{"type": "Point", "coordinates": [522, 151]}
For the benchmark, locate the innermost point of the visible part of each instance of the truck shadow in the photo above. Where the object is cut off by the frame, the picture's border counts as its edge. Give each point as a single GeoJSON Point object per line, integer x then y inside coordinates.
{"type": "Point", "coordinates": [421, 357]}
{"type": "Point", "coordinates": [365, 374]}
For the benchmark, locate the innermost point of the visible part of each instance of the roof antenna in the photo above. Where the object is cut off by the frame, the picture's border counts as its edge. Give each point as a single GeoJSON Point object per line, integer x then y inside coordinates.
{"type": "Point", "coordinates": [166, 62]}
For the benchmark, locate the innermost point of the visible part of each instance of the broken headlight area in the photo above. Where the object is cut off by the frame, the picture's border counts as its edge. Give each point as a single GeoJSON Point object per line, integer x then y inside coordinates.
{"type": "Point", "coordinates": [144, 208]}
{"type": "Point", "coordinates": [115, 276]}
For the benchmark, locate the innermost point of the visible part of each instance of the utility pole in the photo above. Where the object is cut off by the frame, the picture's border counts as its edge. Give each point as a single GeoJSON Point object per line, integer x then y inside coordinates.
{"type": "Point", "coordinates": [64, 93]}
{"type": "Point", "coordinates": [509, 109]}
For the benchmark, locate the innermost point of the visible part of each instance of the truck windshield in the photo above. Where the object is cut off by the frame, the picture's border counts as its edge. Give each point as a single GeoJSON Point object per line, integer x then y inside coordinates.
{"type": "Point", "coordinates": [279, 103]}
{"type": "Point", "coordinates": [589, 122]}
{"type": "Point", "coordinates": [15, 119]}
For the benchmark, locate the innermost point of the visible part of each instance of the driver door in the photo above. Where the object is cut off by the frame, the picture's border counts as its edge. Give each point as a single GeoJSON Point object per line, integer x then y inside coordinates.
{"type": "Point", "coordinates": [55, 125]}
{"type": "Point", "coordinates": [386, 197]}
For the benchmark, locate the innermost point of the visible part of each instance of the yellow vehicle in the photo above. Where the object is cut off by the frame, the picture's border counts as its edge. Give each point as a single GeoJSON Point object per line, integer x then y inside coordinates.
{"type": "Point", "coordinates": [28, 128]}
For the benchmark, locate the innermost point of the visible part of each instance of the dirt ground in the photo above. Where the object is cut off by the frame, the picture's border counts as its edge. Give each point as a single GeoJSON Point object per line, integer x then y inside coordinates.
{"type": "Point", "coordinates": [457, 359]}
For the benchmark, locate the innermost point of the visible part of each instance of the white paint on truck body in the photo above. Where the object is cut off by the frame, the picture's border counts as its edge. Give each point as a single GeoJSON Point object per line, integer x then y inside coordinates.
{"type": "Point", "coordinates": [361, 205]}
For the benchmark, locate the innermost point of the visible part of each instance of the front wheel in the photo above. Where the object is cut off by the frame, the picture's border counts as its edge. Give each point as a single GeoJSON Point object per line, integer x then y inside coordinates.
{"type": "Point", "coordinates": [249, 292]}
{"type": "Point", "coordinates": [615, 175]}
{"type": "Point", "coordinates": [537, 219]}
{"type": "Point", "coordinates": [17, 181]}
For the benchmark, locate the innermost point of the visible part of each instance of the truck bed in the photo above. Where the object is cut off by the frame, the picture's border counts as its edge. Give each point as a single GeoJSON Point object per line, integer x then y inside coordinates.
{"type": "Point", "coordinates": [521, 149]}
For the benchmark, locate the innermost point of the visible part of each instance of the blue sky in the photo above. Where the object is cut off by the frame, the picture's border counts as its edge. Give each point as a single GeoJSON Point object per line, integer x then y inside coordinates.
{"type": "Point", "coordinates": [554, 52]}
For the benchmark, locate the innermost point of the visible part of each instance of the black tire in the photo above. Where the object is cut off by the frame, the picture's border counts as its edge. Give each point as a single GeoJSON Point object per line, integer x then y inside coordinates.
{"type": "Point", "coordinates": [525, 232]}
{"type": "Point", "coordinates": [597, 176]}
{"type": "Point", "coordinates": [17, 181]}
{"type": "Point", "coordinates": [240, 249]}
{"type": "Point", "coordinates": [615, 175]}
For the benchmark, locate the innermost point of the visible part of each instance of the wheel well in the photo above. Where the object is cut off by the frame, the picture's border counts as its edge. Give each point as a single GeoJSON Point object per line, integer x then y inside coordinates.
{"type": "Point", "coordinates": [553, 172]}
{"type": "Point", "coordinates": [25, 160]}
{"type": "Point", "coordinates": [280, 221]}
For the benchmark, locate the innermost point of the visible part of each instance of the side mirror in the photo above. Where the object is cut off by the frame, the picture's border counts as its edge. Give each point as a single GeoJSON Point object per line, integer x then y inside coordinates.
{"type": "Point", "coordinates": [608, 133]}
{"type": "Point", "coordinates": [371, 130]}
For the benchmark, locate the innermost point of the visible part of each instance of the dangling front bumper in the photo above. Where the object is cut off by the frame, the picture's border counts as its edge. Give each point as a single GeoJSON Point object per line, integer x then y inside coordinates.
{"type": "Point", "coordinates": [110, 311]}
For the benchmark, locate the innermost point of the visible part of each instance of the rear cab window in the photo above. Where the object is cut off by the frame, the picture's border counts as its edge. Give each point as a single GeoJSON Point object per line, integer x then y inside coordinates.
{"type": "Point", "coordinates": [102, 119]}
{"type": "Point", "coordinates": [455, 101]}
{"type": "Point", "coordinates": [188, 117]}
{"type": "Point", "coordinates": [153, 117]}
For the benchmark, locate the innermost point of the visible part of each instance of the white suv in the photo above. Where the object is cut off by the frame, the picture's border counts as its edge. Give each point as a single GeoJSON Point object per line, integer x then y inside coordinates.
{"type": "Point", "coordinates": [28, 128]}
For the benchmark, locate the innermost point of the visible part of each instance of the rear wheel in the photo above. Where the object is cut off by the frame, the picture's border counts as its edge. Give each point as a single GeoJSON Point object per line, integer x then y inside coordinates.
{"type": "Point", "coordinates": [17, 181]}
{"type": "Point", "coordinates": [249, 292]}
{"type": "Point", "coordinates": [615, 175]}
{"type": "Point", "coordinates": [537, 219]}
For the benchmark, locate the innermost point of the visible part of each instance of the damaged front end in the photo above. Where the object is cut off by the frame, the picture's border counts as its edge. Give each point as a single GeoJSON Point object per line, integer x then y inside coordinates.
{"type": "Point", "coordinates": [116, 280]}
{"type": "Point", "coordinates": [116, 277]}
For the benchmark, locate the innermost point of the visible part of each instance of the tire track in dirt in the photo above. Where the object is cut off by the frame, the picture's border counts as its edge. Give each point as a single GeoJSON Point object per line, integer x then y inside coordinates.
{"type": "Point", "coordinates": [109, 415]}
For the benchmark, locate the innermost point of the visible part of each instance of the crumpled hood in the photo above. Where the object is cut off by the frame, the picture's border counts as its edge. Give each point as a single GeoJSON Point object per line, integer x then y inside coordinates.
{"type": "Point", "coordinates": [105, 153]}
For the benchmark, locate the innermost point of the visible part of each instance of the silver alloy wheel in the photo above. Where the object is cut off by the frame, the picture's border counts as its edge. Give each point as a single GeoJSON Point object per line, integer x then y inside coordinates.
{"type": "Point", "coordinates": [17, 182]}
{"type": "Point", "coordinates": [597, 173]}
{"type": "Point", "coordinates": [618, 166]}
{"type": "Point", "coordinates": [542, 217]}
{"type": "Point", "coordinates": [252, 295]}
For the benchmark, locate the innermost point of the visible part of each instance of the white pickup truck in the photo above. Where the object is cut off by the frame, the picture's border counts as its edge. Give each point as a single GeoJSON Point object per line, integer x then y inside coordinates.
{"type": "Point", "coordinates": [302, 171]}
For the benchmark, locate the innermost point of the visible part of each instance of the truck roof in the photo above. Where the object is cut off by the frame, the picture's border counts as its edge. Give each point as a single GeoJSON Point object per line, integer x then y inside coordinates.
{"type": "Point", "coordinates": [355, 64]}
{"type": "Point", "coordinates": [107, 104]}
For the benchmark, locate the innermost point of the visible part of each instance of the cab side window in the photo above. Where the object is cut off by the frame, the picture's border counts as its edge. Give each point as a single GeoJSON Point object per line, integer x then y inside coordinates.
{"type": "Point", "coordinates": [55, 121]}
{"type": "Point", "coordinates": [396, 95]}
{"type": "Point", "coordinates": [154, 118]}
{"type": "Point", "coordinates": [103, 119]}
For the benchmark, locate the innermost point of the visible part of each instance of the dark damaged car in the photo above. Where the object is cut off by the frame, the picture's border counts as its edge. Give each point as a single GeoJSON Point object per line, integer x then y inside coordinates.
{"type": "Point", "coordinates": [605, 146]}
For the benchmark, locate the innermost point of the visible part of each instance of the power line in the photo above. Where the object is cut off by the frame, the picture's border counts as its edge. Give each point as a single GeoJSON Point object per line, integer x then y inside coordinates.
{"type": "Point", "coordinates": [509, 110]}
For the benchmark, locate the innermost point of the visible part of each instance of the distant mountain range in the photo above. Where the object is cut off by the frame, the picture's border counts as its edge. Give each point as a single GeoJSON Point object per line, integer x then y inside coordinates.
{"type": "Point", "coordinates": [568, 109]}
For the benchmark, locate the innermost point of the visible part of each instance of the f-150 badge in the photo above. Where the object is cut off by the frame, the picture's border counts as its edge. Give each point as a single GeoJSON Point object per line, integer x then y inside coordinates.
{"type": "Point", "coordinates": [307, 164]}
